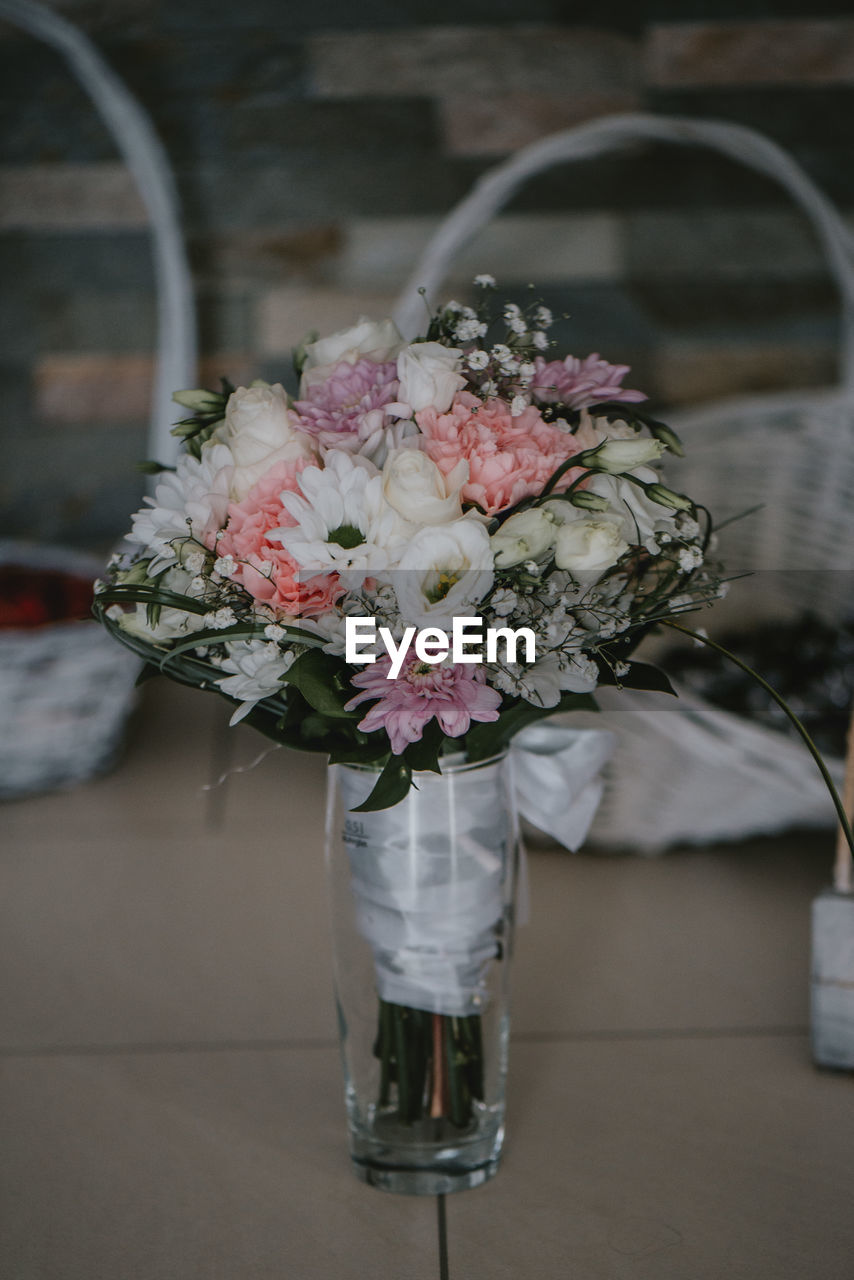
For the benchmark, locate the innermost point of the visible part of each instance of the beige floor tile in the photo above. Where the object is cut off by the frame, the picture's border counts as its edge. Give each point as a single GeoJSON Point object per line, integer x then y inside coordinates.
{"type": "Point", "coordinates": [225, 936]}
{"type": "Point", "coordinates": [170, 751]}
{"type": "Point", "coordinates": [699, 1157]}
{"type": "Point", "coordinates": [716, 938]}
{"type": "Point", "coordinates": [194, 1167]}
{"type": "Point", "coordinates": [163, 940]}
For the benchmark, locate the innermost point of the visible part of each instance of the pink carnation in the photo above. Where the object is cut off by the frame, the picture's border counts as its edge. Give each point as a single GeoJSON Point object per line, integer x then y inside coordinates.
{"type": "Point", "coordinates": [579, 383]}
{"type": "Point", "coordinates": [509, 458]}
{"type": "Point", "coordinates": [454, 694]}
{"type": "Point", "coordinates": [346, 408]}
{"type": "Point", "coordinates": [264, 568]}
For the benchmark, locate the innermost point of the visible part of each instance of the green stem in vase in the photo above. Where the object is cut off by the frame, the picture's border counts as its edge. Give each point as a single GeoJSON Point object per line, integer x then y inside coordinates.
{"type": "Point", "coordinates": [383, 1051]}
{"type": "Point", "coordinates": [401, 1049]}
{"type": "Point", "coordinates": [459, 1099]}
{"type": "Point", "coordinates": [436, 1062]}
{"type": "Point", "coordinates": [472, 1038]}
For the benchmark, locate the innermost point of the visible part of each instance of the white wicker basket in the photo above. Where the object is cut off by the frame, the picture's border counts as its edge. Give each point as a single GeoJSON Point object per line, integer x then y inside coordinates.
{"type": "Point", "coordinates": [686, 772]}
{"type": "Point", "coordinates": [66, 689]}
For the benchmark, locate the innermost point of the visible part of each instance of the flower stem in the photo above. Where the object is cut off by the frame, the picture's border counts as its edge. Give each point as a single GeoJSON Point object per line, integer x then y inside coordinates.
{"type": "Point", "coordinates": [784, 706]}
{"type": "Point", "coordinates": [437, 1095]}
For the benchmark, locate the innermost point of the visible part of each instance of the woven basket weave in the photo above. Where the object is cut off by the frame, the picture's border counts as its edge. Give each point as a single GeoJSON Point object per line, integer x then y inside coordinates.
{"type": "Point", "coordinates": [66, 690]}
{"type": "Point", "coordinates": [686, 772]}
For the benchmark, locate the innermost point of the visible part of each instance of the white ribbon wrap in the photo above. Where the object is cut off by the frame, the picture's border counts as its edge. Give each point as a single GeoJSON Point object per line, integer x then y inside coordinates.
{"type": "Point", "coordinates": [557, 773]}
{"type": "Point", "coordinates": [433, 877]}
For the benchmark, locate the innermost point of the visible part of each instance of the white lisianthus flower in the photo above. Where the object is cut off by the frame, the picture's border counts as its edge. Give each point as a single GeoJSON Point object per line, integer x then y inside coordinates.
{"type": "Point", "coordinates": [641, 518]}
{"type": "Point", "coordinates": [189, 502]}
{"type": "Point", "coordinates": [429, 376]}
{"type": "Point", "coordinates": [343, 520]}
{"type": "Point", "coordinates": [419, 491]}
{"type": "Point", "coordinates": [367, 340]}
{"type": "Point", "coordinates": [589, 544]}
{"type": "Point", "coordinates": [525, 536]}
{"type": "Point", "coordinates": [445, 571]}
{"type": "Point", "coordinates": [255, 669]}
{"type": "Point", "coordinates": [259, 430]}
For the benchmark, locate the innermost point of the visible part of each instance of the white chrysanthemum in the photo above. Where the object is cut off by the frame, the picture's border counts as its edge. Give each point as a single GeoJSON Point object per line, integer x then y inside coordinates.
{"type": "Point", "coordinates": [255, 670]}
{"type": "Point", "coordinates": [344, 522]}
{"type": "Point", "coordinates": [189, 502]}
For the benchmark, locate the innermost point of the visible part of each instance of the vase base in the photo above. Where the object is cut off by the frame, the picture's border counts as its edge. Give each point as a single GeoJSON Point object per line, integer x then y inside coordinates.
{"type": "Point", "coordinates": [424, 1182]}
{"type": "Point", "coordinates": [427, 1158]}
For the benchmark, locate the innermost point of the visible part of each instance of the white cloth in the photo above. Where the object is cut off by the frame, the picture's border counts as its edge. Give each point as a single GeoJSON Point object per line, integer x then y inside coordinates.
{"type": "Point", "coordinates": [433, 877]}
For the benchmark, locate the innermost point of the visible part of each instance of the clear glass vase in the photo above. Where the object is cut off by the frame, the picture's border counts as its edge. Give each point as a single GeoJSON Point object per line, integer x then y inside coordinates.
{"type": "Point", "coordinates": [422, 909]}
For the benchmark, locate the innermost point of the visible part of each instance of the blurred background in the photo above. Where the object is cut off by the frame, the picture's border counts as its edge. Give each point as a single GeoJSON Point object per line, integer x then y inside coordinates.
{"type": "Point", "coordinates": [315, 148]}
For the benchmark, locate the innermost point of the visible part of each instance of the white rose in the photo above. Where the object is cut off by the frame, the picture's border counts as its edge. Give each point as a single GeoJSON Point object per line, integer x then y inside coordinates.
{"type": "Point", "coordinates": [417, 489]}
{"type": "Point", "coordinates": [367, 340]}
{"type": "Point", "coordinates": [525, 536]}
{"type": "Point", "coordinates": [589, 544]}
{"type": "Point", "coordinates": [444, 572]}
{"type": "Point", "coordinates": [259, 431]}
{"type": "Point", "coordinates": [429, 376]}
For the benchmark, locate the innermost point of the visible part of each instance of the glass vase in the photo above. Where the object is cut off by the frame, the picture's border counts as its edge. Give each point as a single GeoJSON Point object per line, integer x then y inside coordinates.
{"type": "Point", "coordinates": [422, 911]}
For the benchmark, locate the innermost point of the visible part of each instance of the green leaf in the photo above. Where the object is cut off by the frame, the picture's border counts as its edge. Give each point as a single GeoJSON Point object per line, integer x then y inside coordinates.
{"type": "Point", "coordinates": [424, 754]}
{"type": "Point", "coordinates": [391, 786]}
{"type": "Point", "coordinates": [149, 467]}
{"type": "Point", "coordinates": [487, 739]}
{"type": "Point", "coordinates": [137, 593]}
{"type": "Point", "coordinates": [322, 681]}
{"type": "Point", "coordinates": [640, 675]}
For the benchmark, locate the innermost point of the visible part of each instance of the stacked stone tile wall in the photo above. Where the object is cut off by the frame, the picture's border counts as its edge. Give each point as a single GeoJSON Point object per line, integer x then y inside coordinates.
{"type": "Point", "coordinates": [316, 146]}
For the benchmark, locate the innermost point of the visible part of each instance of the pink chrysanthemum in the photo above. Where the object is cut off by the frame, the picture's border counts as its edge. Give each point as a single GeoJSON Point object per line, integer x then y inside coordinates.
{"type": "Point", "coordinates": [348, 407]}
{"type": "Point", "coordinates": [455, 694]}
{"type": "Point", "coordinates": [580, 383]}
{"type": "Point", "coordinates": [264, 568]}
{"type": "Point", "coordinates": [509, 458]}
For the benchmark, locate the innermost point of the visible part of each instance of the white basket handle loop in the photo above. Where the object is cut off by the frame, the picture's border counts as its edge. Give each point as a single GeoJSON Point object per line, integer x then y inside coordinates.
{"type": "Point", "coordinates": [146, 158]}
{"type": "Point", "coordinates": [598, 137]}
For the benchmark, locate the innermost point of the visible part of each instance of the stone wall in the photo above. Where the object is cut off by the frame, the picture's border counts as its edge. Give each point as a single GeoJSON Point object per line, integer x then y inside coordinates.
{"type": "Point", "coordinates": [316, 146]}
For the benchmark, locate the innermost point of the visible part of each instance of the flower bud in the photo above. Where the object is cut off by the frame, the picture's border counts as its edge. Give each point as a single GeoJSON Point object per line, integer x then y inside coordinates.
{"type": "Point", "coordinates": [589, 501]}
{"type": "Point", "coordinates": [667, 436]}
{"type": "Point", "coordinates": [618, 456]}
{"type": "Point", "coordinates": [198, 401]}
{"type": "Point", "coordinates": [667, 498]}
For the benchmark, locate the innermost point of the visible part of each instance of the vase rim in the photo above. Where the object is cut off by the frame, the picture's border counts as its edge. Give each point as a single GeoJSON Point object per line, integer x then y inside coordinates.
{"type": "Point", "coordinates": [452, 764]}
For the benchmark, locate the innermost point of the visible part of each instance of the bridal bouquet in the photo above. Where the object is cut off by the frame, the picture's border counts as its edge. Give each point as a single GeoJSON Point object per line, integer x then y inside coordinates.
{"type": "Point", "coordinates": [433, 545]}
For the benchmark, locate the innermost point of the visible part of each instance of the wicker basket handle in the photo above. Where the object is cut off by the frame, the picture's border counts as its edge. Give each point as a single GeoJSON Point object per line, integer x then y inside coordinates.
{"type": "Point", "coordinates": [598, 137]}
{"type": "Point", "coordinates": [144, 155]}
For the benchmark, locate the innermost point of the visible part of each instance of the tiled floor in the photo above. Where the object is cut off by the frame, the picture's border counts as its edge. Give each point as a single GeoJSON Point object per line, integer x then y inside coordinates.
{"type": "Point", "coordinates": [171, 1099]}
